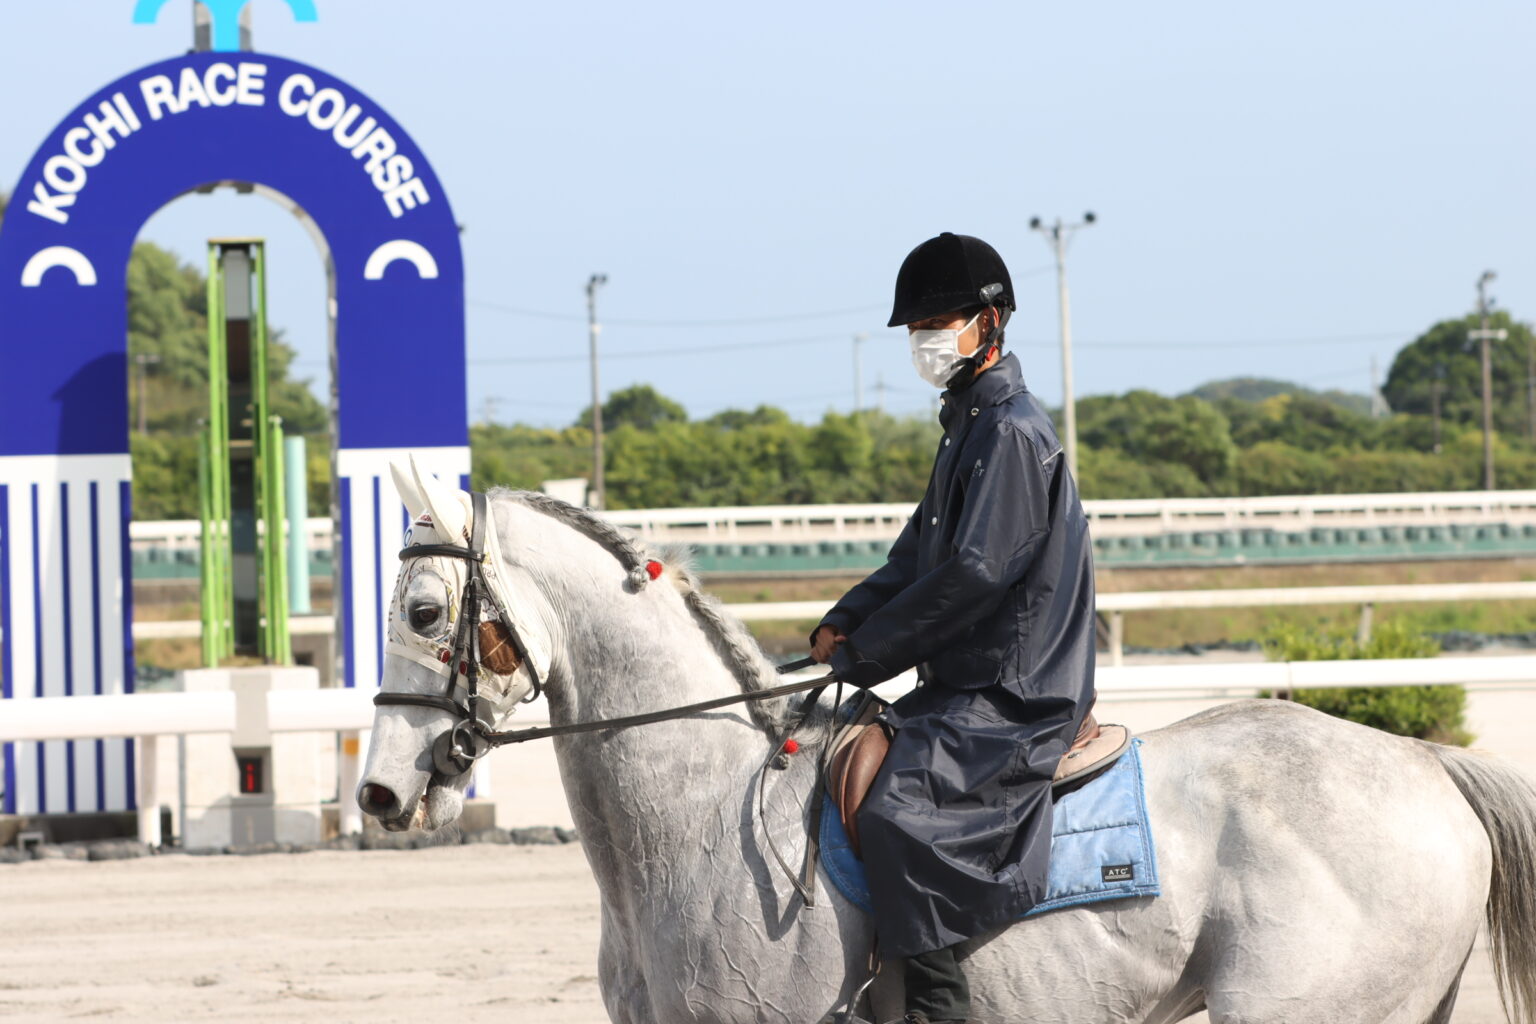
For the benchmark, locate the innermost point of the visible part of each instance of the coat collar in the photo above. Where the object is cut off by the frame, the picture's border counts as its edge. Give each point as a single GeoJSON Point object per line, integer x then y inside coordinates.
{"type": "Point", "coordinates": [1004, 380]}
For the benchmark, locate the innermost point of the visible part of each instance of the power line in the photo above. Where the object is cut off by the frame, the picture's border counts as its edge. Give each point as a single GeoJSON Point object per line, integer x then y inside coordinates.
{"type": "Point", "coordinates": [1359, 372]}
{"type": "Point", "coordinates": [1338, 339]}
{"type": "Point", "coordinates": [741, 321]}
{"type": "Point", "coordinates": [659, 352]}
{"type": "Point", "coordinates": [1150, 346]}
{"type": "Point", "coordinates": [520, 402]}
{"type": "Point", "coordinates": [745, 321]}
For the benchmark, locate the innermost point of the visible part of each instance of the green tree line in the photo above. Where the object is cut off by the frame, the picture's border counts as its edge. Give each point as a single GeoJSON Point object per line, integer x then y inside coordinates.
{"type": "Point", "coordinates": [1238, 437]}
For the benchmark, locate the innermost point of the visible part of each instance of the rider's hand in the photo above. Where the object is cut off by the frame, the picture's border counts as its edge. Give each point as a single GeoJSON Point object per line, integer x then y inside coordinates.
{"type": "Point", "coordinates": [824, 643]}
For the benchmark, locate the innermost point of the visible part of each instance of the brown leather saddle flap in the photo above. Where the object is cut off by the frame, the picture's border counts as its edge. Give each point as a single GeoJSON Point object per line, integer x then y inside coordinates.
{"type": "Point", "coordinates": [853, 761]}
{"type": "Point", "coordinates": [859, 748]}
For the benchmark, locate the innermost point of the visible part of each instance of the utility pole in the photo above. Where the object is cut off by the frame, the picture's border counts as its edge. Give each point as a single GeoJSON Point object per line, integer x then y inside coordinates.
{"type": "Point", "coordinates": [1530, 390]}
{"type": "Point", "coordinates": [1485, 336]}
{"type": "Point", "coordinates": [1379, 407]}
{"type": "Point", "coordinates": [1434, 400]}
{"type": "Point", "coordinates": [858, 371]}
{"type": "Point", "coordinates": [1057, 235]}
{"type": "Point", "coordinates": [593, 329]}
{"type": "Point", "coordinates": [880, 392]}
{"type": "Point", "coordinates": [141, 360]}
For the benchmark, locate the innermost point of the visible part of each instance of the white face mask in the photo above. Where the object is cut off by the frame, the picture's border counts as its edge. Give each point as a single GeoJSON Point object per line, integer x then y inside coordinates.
{"type": "Point", "coordinates": [936, 354]}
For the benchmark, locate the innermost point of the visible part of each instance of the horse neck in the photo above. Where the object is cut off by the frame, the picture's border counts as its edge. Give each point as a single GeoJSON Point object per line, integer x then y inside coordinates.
{"type": "Point", "coordinates": [648, 799]}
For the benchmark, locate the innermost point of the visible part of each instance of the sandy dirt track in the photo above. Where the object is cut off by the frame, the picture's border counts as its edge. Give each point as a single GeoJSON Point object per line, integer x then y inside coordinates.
{"type": "Point", "coordinates": [465, 933]}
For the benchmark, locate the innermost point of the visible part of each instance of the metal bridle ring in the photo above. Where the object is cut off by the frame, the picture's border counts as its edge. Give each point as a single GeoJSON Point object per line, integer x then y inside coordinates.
{"type": "Point", "coordinates": [457, 749]}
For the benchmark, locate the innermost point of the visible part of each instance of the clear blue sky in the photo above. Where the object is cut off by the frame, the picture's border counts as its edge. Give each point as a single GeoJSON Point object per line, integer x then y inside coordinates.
{"type": "Point", "coordinates": [1283, 190]}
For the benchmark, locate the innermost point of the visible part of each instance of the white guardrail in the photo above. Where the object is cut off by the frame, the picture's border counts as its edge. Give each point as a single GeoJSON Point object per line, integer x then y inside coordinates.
{"type": "Point", "coordinates": [151, 716]}
{"type": "Point", "coordinates": [143, 716]}
{"type": "Point", "coordinates": [1108, 518]}
{"type": "Point", "coordinates": [1115, 605]}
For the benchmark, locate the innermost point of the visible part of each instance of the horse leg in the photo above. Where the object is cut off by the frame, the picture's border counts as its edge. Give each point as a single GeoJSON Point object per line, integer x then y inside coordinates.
{"type": "Point", "coordinates": [620, 979]}
{"type": "Point", "coordinates": [1442, 1014]}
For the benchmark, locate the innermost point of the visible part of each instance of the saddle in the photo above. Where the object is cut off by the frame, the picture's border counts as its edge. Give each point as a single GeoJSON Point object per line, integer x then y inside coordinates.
{"type": "Point", "coordinates": [858, 750]}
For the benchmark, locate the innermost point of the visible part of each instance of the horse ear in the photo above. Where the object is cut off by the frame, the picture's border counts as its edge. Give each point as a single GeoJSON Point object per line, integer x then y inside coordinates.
{"type": "Point", "coordinates": [450, 512]}
{"type": "Point", "coordinates": [410, 497]}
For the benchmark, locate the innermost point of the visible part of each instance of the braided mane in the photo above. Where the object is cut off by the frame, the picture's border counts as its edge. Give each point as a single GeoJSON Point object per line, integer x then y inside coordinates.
{"type": "Point", "coordinates": [736, 645]}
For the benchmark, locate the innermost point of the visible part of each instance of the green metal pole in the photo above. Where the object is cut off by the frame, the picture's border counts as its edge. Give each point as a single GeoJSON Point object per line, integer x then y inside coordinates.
{"type": "Point", "coordinates": [295, 462]}
{"type": "Point", "coordinates": [273, 551]}
{"type": "Point", "coordinates": [267, 434]}
{"type": "Point", "coordinates": [207, 599]}
{"type": "Point", "coordinates": [218, 588]}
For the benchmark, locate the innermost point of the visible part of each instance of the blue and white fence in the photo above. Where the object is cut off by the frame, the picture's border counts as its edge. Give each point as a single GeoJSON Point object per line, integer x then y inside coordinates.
{"type": "Point", "coordinates": [65, 622]}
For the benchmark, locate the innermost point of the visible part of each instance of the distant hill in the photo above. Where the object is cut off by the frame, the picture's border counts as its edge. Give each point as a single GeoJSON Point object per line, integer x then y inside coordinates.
{"type": "Point", "coordinates": [1256, 389]}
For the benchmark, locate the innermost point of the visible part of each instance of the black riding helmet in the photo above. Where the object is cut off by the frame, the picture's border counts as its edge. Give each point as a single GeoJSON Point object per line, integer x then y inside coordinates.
{"type": "Point", "coordinates": [946, 274]}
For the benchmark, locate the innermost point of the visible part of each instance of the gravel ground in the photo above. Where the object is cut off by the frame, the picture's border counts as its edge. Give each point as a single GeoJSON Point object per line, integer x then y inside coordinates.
{"type": "Point", "coordinates": [468, 933]}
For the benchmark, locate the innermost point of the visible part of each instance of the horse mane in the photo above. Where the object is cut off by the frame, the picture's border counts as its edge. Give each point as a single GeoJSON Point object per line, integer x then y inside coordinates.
{"type": "Point", "coordinates": [736, 645]}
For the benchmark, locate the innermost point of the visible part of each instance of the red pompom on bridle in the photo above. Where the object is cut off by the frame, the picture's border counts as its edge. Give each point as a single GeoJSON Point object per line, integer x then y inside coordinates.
{"type": "Point", "coordinates": [653, 569]}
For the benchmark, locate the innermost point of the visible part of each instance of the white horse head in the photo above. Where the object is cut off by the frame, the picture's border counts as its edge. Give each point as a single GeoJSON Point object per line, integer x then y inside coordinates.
{"type": "Point", "coordinates": [509, 645]}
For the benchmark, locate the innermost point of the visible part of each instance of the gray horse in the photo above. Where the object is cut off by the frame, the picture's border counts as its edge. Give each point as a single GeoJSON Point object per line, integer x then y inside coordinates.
{"type": "Point", "coordinates": [1313, 870]}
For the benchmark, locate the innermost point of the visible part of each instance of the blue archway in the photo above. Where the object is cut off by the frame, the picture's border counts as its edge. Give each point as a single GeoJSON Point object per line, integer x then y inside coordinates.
{"type": "Point", "coordinates": [392, 250]}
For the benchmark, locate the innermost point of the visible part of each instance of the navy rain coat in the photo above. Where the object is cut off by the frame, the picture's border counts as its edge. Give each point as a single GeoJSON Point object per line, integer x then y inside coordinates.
{"type": "Point", "coordinates": [989, 592]}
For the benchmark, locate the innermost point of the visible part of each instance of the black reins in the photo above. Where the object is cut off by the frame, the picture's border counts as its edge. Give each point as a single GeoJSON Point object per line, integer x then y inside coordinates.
{"type": "Point", "coordinates": [497, 739]}
{"type": "Point", "coordinates": [456, 750]}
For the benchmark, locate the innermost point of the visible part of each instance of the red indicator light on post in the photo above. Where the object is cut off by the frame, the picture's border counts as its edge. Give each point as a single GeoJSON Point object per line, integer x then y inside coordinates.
{"type": "Point", "coordinates": [250, 769]}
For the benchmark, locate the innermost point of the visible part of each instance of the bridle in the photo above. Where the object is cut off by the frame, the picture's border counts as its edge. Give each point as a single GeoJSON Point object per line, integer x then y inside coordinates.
{"type": "Point", "coordinates": [469, 739]}
{"type": "Point", "coordinates": [457, 749]}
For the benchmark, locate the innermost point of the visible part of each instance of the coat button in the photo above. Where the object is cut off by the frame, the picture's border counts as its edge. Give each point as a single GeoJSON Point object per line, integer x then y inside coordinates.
{"type": "Point", "coordinates": [934, 521]}
{"type": "Point", "coordinates": [975, 412]}
{"type": "Point", "coordinates": [946, 442]}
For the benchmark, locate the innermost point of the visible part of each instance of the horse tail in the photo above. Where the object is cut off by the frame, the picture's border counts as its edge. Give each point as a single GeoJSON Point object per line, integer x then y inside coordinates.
{"type": "Point", "coordinates": [1505, 802]}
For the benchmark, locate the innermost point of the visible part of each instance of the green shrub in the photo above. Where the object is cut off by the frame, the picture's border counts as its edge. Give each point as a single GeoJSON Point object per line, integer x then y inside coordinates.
{"type": "Point", "coordinates": [1436, 713]}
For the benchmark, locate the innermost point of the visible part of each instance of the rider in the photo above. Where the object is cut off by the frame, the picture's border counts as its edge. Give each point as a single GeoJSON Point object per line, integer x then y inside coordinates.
{"type": "Point", "coordinates": [989, 593]}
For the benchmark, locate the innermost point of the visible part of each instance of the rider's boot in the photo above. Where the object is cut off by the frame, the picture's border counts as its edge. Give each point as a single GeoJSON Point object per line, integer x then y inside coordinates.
{"type": "Point", "coordinates": [937, 992]}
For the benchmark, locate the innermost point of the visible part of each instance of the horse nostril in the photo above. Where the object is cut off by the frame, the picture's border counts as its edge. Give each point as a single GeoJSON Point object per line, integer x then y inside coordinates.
{"type": "Point", "coordinates": [375, 799]}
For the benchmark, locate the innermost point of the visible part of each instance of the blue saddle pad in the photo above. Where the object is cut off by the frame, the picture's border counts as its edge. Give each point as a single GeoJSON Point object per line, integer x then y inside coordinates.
{"type": "Point", "coordinates": [1101, 844]}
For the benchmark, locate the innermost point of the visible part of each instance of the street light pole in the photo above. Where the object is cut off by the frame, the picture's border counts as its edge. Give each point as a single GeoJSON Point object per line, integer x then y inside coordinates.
{"type": "Point", "coordinates": [1057, 236]}
{"type": "Point", "coordinates": [1486, 336]}
{"type": "Point", "coordinates": [593, 329]}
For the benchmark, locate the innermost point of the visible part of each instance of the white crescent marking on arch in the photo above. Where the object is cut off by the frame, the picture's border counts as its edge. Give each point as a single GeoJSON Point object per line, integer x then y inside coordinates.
{"type": "Point", "coordinates": [57, 256]}
{"type": "Point", "coordinates": [400, 249]}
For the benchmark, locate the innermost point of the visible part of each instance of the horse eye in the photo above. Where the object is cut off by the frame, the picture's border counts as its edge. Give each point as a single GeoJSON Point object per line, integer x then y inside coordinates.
{"type": "Point", "coordinates": [424, 615]}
